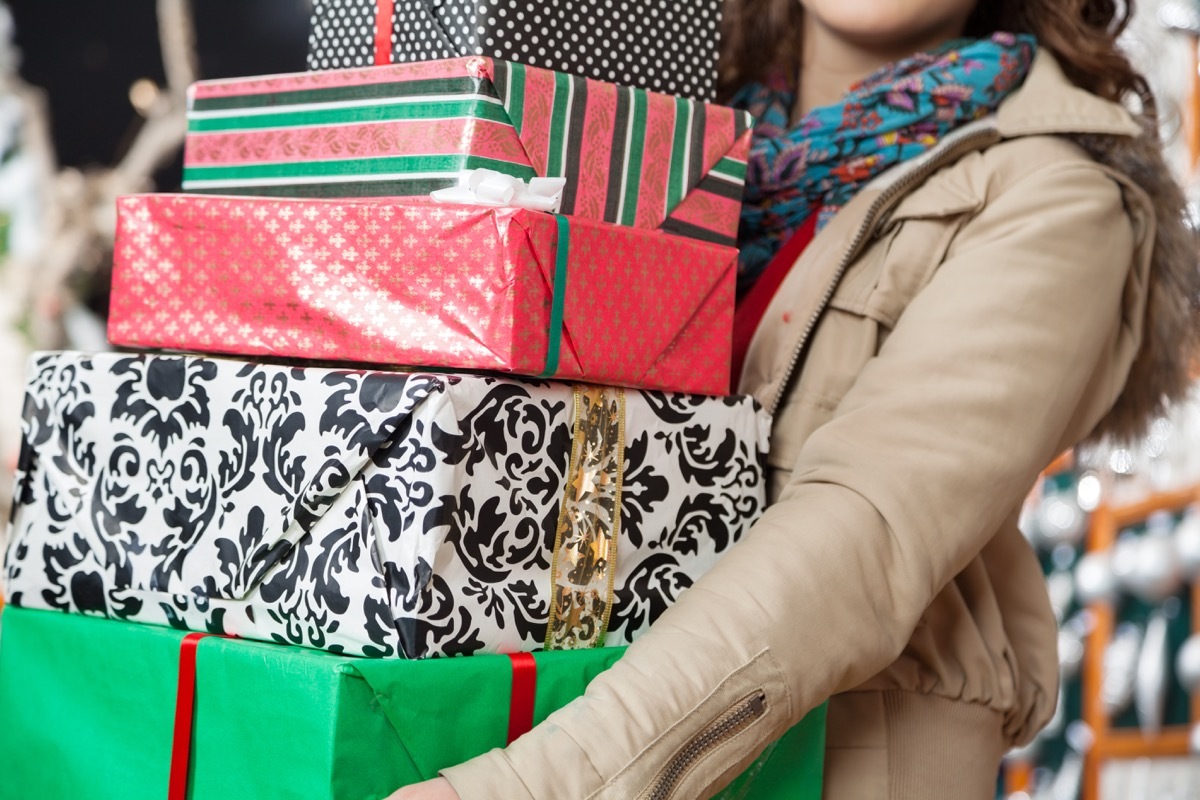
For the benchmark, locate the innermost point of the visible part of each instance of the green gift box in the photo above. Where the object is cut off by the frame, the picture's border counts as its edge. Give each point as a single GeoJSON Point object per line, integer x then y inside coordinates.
{"type": "Point", "coordinates": [87, 709]}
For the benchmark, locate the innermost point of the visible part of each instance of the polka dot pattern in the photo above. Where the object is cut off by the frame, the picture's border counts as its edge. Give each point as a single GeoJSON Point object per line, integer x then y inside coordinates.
{"type": "Point", "coordinates": [666, 46]}
{"type": "Point", "coordinates": [343, 34]}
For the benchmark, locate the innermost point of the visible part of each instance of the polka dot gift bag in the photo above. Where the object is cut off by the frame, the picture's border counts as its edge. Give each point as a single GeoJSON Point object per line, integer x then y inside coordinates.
{"type": "Point", "coordinates": [667, 46]}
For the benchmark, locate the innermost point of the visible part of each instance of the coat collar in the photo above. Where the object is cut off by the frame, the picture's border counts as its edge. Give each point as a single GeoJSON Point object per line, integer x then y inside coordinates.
{"type": "Point", "coordinates": [1048, 103]}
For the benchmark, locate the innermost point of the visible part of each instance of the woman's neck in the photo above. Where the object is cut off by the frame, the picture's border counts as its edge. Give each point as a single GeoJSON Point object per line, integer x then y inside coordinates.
{"type": "Point", "coordinates": [831, 64]}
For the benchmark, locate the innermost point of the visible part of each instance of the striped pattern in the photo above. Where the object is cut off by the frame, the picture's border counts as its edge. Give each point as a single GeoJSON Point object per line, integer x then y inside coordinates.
{"type": "Point", "coordinates": [343, 96]}
{"type": "Point", "coordinates": [711, 211]}
{"type": "Point", "coordinates": [510, 78]}
{"type": "Point", "coordinates": [341, 110]}
{"type": "Point", "coordinates": [626, 164]}
{"type": "Point", "coordinates": [729, 171]}
{"type": "Point", "coordinates": [396, 176]}
{"type": "Point", "coordinates": [631, 157]}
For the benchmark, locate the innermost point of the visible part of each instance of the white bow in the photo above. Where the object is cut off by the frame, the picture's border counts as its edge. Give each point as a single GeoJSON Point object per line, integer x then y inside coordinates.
{"type": "Point", "coordinates": [487, 187]}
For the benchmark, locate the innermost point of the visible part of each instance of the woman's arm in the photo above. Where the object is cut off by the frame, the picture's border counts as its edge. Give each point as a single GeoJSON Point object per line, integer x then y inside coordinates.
{"type": "Point", "coordinates": [1034, 316]}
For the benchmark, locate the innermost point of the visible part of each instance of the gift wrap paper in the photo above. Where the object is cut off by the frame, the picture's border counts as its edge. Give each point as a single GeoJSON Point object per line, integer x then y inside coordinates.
{"type": "Point", "coordinates": [420, 283]}
{"type": "Point", "coordinates": [374, 513]}
{"type": "Point", "coordinates": [89, 707]}
{"type": "Point", "coordinates": [665, 46]}
{"type": "Point", "coordinates": [630, 157]}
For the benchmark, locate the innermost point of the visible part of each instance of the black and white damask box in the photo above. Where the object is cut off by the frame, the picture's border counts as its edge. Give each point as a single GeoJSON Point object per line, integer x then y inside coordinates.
{"type": "Point", "coordinates": [374, 513]}
{"type": "Point", "coordinates": [667, 46]}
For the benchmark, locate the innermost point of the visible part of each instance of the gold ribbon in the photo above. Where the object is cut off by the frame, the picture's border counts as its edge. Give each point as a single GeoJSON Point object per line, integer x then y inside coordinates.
{"type": "Point", "coordinates": [589, 523]}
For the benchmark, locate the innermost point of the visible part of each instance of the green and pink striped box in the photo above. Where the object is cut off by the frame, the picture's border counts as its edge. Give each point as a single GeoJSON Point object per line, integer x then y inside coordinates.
{"type": "Point", "coordinates": [631, 157]}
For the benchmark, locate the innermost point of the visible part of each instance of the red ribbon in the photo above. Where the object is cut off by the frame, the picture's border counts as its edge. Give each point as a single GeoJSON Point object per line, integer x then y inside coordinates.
{"type": "Point", "coordinates": [384, 12]}
{"type": "Point", "coordinates": [181, 747]}
{"type": "Point", "coordinates": [524, 691]}
{"type": "Point", "coordinates": [520, 709]}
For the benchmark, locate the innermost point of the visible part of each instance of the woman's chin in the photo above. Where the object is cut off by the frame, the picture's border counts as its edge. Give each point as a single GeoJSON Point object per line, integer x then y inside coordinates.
{"type": "Point", "coordinates": [891, 24]}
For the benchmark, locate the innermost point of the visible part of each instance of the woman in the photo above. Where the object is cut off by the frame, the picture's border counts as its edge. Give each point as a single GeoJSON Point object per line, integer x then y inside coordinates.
{"type": "Point", "coordinates": [998, 270]}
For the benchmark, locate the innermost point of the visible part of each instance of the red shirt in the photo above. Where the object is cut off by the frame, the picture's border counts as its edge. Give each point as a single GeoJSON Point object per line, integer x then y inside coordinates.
{"type": "Point", "coordinates": [753, 306]}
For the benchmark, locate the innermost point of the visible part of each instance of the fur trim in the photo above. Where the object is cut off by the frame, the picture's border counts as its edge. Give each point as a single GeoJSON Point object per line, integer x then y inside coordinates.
{"type": "Point", "coordinates": [1164, 369]}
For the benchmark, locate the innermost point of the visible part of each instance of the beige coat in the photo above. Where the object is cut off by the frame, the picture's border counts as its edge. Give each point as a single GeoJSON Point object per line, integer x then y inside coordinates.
{"type": "Point", "coordinates": [964, 319]}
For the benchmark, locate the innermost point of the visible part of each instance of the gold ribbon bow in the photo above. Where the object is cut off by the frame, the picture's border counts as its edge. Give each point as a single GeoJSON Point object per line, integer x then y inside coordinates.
{"type": "Point", "coordinates": [589, 523]}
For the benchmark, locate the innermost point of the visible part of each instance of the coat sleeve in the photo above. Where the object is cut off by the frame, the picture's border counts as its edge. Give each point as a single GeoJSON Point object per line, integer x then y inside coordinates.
{"type": "Point", "coordinates": [1018, 344]}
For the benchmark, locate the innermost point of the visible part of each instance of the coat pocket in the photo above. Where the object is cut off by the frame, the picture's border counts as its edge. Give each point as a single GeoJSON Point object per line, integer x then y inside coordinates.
{"type": "Point", "coordinates": [866, 305]}
{"type": "Point", "coordinates": [911, 252]}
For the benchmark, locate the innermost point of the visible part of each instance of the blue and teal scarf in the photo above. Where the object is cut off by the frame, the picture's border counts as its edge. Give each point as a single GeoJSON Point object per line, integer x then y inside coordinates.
{"type": "Point", "coordinates": [894, 115]}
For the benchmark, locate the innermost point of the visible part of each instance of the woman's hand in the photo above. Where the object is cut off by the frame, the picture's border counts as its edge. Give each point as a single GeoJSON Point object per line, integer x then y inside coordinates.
{"type": "Point", "coordinates": [436, 789]}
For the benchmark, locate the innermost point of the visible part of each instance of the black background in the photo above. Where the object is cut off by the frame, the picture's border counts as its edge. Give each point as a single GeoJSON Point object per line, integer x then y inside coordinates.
{"type": "Point", "coordinates": [85, 54]}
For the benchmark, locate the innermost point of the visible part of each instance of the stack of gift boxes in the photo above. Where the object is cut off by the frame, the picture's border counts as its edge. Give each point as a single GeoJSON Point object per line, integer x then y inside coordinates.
{"type": "Point", "coordinates": [435, 361]}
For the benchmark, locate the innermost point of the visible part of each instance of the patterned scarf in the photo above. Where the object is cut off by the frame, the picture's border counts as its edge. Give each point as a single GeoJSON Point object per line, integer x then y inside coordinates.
{"type": "Point", "coordinates": [896, 114]}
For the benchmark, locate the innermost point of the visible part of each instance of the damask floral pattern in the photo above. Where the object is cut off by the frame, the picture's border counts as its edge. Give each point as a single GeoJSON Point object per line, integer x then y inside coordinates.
{"type": "Point", "coordinates": [371, 513]}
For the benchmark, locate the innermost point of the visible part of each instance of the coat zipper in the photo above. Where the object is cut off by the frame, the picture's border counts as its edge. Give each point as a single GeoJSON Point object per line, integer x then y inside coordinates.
{"type": "Point", "coordinates": [728, 725]}
{"type": "Point", "coordinates": [953, 150]}
{"type": "Point", "coordinates": [752, 708]}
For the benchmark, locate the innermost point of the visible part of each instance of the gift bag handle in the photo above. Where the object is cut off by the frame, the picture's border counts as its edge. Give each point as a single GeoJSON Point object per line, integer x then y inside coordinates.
{"type": "Point", "coordinates": [385, 21]}
{"type": "Point", "coordinates": [431, 10]}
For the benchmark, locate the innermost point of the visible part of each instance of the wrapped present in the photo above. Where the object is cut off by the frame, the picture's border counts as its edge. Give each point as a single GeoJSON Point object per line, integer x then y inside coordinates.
{"type": "Point", "coordinates": [638, 43]}
{"type": "Point", "coordinates": [374, 513]}
{"type": "Point", "coordinates": [630, 157]}
{"type": "Point", "coordinates": [418, 283]}
{"type": "Point", "coordinates": [95, 708]}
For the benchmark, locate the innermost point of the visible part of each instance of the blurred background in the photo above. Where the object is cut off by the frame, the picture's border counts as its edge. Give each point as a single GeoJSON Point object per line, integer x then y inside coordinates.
{"type": "Point", "coordinates": [92, 102]}
{"type": "Point", "coordinates": [91, 107]}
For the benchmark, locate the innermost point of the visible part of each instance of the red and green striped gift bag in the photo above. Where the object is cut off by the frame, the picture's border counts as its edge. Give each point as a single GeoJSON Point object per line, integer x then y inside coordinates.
{"type": "Point", "coordinates": [630, 156]}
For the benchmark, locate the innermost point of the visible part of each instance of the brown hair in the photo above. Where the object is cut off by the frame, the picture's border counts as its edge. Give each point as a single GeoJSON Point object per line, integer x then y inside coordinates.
{"type": "Point", "coordinates": [761, 35]}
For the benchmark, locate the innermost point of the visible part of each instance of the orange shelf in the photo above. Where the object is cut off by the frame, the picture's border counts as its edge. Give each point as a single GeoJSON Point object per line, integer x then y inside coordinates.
{"type": "Point", "coordinates": [1061, 464]}
{"type": "Point", "coordinates": [1018, 777]}
{"type": "Point", "coordinates": [1161, 501]}
{"type": "Point", "coordinates": [1131, 744]}
{"type": "Point", "coordinates": [1106, 525]}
